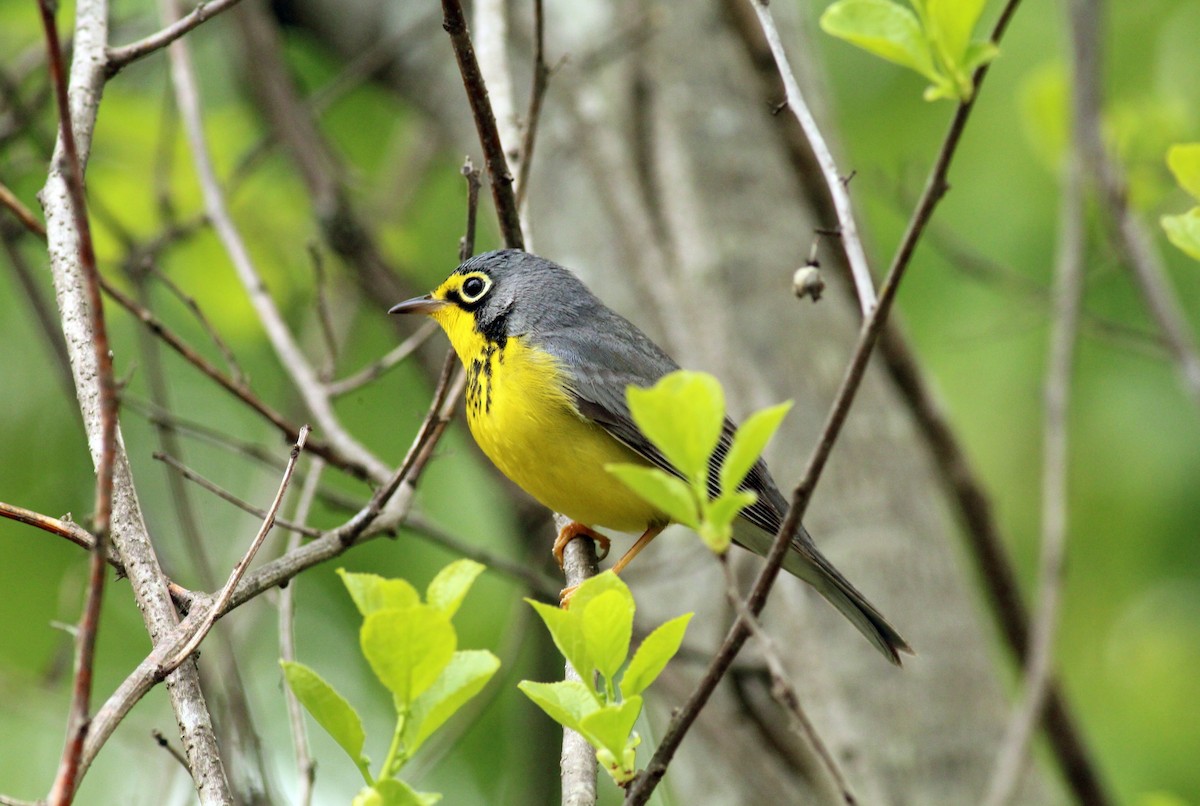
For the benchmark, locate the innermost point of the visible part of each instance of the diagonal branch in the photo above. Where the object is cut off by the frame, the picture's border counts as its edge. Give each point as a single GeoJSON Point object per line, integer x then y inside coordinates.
{"type": "Point", "coordinates": [935, 187]}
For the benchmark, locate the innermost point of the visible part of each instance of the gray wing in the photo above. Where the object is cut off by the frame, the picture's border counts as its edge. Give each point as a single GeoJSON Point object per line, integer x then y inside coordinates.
{"type": "Point", "coordinates": [600, 372]}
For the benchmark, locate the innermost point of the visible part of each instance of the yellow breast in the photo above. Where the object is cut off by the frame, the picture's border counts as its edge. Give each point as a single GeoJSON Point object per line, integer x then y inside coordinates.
{"type": "Point", "coordinates": [525, 422]}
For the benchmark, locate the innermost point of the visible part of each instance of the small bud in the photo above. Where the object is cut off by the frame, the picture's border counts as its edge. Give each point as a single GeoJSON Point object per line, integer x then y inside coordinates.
{"type": "Point", "coordinates": [807, 282]}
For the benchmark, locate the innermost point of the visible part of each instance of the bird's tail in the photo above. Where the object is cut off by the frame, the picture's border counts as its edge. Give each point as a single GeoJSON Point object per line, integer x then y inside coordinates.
{"type": "Point", "coordinates": [807, 563]}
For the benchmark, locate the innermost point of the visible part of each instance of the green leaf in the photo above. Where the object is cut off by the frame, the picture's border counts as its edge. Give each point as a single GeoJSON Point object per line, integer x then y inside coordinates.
{"type": "Point", "coordinates": [978, 54]}
{"type": "Point", "coordinates": [566, 628]}
{"type": "Point", "coordinates": [1184, 231]}
{"type": "Point", "coordinates": [447, 590]}
{"type": "Point", "coordinates": [567, 702]}
{"type": "Point", "coordinates": [1184, 161]}
{"type": "Point", "coordinates": [372, 592]}
{"type": "Point", "coordinates": [669, 493]}
{"type": "Point", "coordinates": [607, 627]}
{"type": "Point", "coordinates": [950, 23]}
{"type": "Point", "coordinates": [682, 415]}
{"type": "Point", "coordinates": [609, 727]}
{"type": "Point", "coordinates": [601, 583]}
{"type": "Point", "coordinates": [466, 674]}
{"type": "Point", "coordinates": [408, 648]}
{"type": "Point", "coordinates": [652, 656]}
{"type": "Point", "coordinates": [394, 792]}
{"type": "Point", "coordinates": [716, 530]}
{"type": "Point", "coordinates": [329, 708]}
{"type": "Point", "coordinates": [748, 444]}
{"type": "Point", "coordinates": [884, 29]}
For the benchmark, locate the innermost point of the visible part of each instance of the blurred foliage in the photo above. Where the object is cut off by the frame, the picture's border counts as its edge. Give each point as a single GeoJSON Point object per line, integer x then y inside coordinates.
{"type": "Point", "coordinates": [975, 303]}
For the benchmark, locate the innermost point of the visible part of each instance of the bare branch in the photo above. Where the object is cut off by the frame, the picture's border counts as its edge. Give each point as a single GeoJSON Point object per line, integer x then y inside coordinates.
{"type": "Point", "coordinates": [466, 244]}
{"type": "Point", "coordinates": [537, 93]}
{"type": "Point", "coordinates": [239, 570]}
{"type": "Point", "coordinates": [485, 124]}
{"type": "Point", "coordinates": [66, 780]}
{"type": "Point", "coordinates": [122, 57]}
{"type": "Point", "coordinates": [224, 494]}
{"type": "Point", "coordinates": [23, 214]}
{"type": "Point", "coordinates": [783, 690]}
{"type": "Point", "coordinates": [860, 271]}
{"type": "Point", "coordinates": [578, 759]}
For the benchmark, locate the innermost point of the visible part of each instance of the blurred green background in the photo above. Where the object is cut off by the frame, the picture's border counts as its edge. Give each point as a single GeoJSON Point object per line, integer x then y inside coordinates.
{"type": "Point", "coordinates": [976, 305]}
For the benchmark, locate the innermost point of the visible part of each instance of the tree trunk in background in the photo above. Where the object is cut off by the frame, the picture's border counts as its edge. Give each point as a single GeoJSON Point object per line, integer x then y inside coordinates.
{"type": "Point", "coordinates": [657, 178]}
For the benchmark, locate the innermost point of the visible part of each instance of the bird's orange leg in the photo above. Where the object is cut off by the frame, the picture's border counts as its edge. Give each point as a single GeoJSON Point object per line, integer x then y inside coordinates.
{"type": "Point", "coordinates": [573, 530]}
{"type": "Point", "coordinates": [564, 598]}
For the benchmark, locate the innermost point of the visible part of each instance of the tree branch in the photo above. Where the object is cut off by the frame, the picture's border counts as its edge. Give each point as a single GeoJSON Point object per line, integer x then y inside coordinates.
{"type": "Point", "coordinates": [935, 187]}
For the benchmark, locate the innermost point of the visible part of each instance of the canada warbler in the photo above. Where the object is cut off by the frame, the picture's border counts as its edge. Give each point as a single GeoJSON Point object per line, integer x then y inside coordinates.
{"type": "Point", "coordinates": [547, 368]}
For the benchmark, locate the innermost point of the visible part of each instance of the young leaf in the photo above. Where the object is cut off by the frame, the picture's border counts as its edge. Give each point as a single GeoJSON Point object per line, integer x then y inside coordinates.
{"type": "Point", "coordinates": [748, 444]}
{"type": "Point", "coordinates": [950, 25]}
{"type": "Point", "coordinates": [610, 727]}
{"type": "Point", "coordinates": [607, 627]}
{"type": "Point", "coordinates": [652, 656]}
{"type": "Point", "coordinates": [682, 415]}
{"type": "Point", "coordinates": [883, 28]}
{"type": "Point", "coordinates": [1184, 161]}
{"type": "Point", "coordinates": [408, 648]}
{"type": "Point", "coordinates": [393, 792]}
{"type": "Point", "coordinates": [717, 528]}
{"type": "Point", "coordinates": [567, 702]}
{"type": "Point", "coordinates": [447, 590]}
{"type": "Point", "coordinates": [601, 583]}
{"type": "Point", "coordinates": [566, 629]}
{"type": "Point", "coordinates": [372, 592]}
{"type": "Point", "coordinates": [330, 709]}
{"type": "Point", "coordinates": [1184, 231]}
{"type": "Point", "coordinates": [670, 494]}
{"type": "Point", "coordinates": [467, 673]}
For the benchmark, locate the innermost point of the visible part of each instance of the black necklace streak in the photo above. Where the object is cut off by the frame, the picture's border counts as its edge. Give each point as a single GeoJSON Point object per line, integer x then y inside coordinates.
{"type": "Point", "coordinates": [479, 374]}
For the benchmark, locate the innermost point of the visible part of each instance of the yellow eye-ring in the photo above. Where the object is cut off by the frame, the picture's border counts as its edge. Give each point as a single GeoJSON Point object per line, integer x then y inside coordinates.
{"type": "Point", "coordinates": [474, 286]}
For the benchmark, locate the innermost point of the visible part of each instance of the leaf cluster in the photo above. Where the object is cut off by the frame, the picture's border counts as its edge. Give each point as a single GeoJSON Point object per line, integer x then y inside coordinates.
{"type": "Point", "coordinates": [594, 636]}
{"type": "Point", "coordinates": [933, 39]}
{"type": "Point", "coordinates": [1183, 230]}
{"type": "Point", "coordinates": [412, 647]}
{"type": "Point", "coordinates": [683, 415]}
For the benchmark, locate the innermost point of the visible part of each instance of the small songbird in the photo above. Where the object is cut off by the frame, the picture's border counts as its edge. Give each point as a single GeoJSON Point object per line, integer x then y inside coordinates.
{"type": "Point", "coordinates": [547, 366]}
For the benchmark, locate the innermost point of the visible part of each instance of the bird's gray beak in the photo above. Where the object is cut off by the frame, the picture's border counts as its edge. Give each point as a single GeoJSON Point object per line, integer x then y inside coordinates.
{"type": "Point", "coordinates": [426, 304]}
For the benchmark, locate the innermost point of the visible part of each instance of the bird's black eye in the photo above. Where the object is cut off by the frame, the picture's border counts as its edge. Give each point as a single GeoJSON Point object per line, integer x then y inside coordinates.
{"type": "Point", "coordinates": [474, 287]}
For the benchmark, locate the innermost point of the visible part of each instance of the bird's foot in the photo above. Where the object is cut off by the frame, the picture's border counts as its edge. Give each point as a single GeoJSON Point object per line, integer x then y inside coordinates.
{"type": "Point", "coordinates": [564, 596]}
{"type": "Point", "coordinates": [573, 530]}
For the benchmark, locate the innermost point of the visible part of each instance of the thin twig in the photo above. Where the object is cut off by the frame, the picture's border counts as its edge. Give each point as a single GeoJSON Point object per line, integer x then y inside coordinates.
{"type": "Point", "coordinates": [643, 786]}
{"type": "Point", "coordinates": [224, 494]}
{"type": "Point", "coordinates": [121, 57]}
{"type": "Point", "coordinates": [305, 765]}
{"type": "Point", "coordinates": [537, 93]}
{"type": "Point", "coordinates": [376, 369]}
{"type": "Point", "coordinates": [466, 244]}
{"type": "Point", "coordinates": [315, 446]}
{"type": "Point", "coordinates": [23, 214]}
{"type": "Point", "coordinates": [165, 744]}
{"type": "Point", "coordinates": [9, 235]}
{"type": "Point", "coordinates": [485, 124]}
{"type": "Point", "coordinates": [860, 271]}
{"type": "Point", "coordinates": [239, 570]}
{"type": "Point", "coordinates": [189, 302]}
{"type": "Point", "coordinates": [324, 316]}
{"type": "Point", "coordinates": [66, 779]}
{"type": "Point", "coordinates": [782, 688]}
